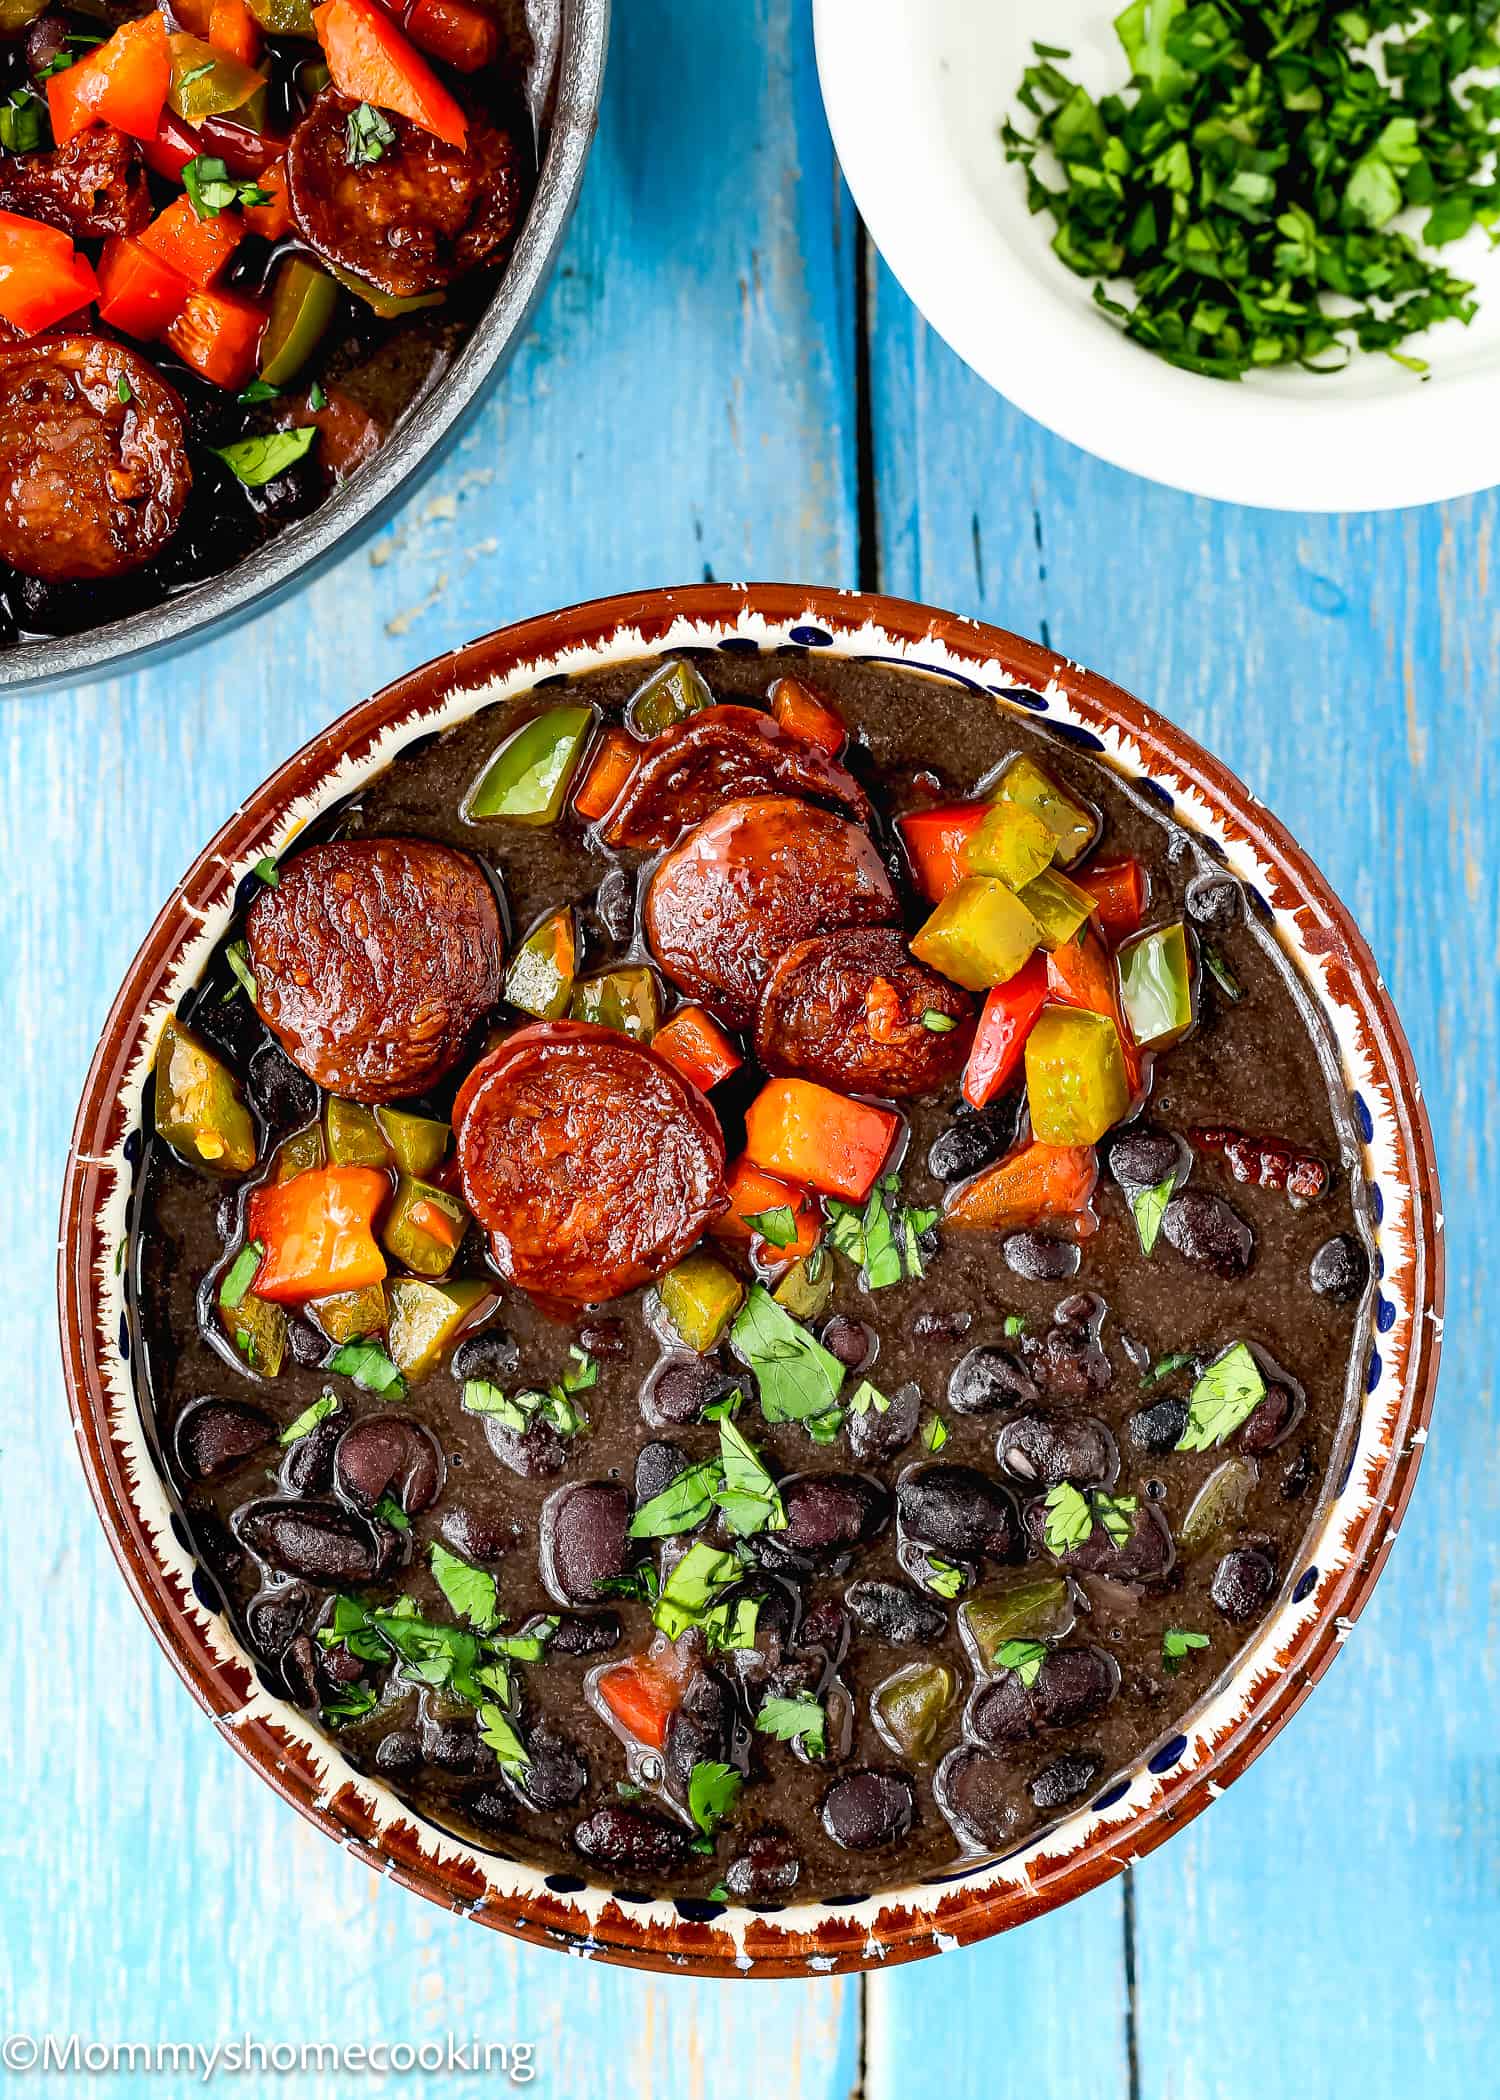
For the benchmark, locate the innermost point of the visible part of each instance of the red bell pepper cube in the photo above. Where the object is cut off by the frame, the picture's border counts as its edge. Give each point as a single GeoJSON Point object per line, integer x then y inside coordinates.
{"type": "Point", "coordinates": [694, 1042]}
{"type": "Point", "coordinates": [41, 277]}
{"type": "Point", "coordinates": [372, 61]}
{"type": "Point", "coordinates": [1120, 888]}
{"type": "Point", "coordinates": [197, 249]}
{"type": "Point", "coordinates": [610, 766]}
{"type": "Point", "coordinates": [273, 219]}
{"type": "Point", "coordinates": [1010, 1012]}
{"type": "Point", "coordinates": [461, 35]}
{"type": "Point", "coordinates": [935, 842]}
{"type": "Point", "coordinates": [318, 1233]}
{"type": "Point", "coordinates": [123, 82]}
{"type": "Point", "coordinates": [138, 293]}
{"type": "Point", "coordinates": [803, 715]}
{"type": "Point", "coordinates": [218, 334]}
{"type": "Point", "coordinates": [234, 30]}
{"type": "Point", "coordinates": [1029, 1187]}
{"type": "Point", "coordinates": [806, 1133]}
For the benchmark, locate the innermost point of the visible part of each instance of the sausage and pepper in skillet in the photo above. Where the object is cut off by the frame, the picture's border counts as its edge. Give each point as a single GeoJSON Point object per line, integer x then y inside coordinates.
{"type": "Point", "coordinates": [749, 1275]}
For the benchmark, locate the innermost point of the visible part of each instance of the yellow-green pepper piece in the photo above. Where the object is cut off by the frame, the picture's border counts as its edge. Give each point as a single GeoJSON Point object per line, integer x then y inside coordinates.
{"type": "Point", "coordinates": [528, 778]}
{"type": "Point", "coordinates": [1071, 824]}
{"type": "Point", "coordinates": [627, 1000]}
{"type": "Point", "coordinates": [387, 306]}
{"type": "Point", "coordinates": [910, 1705]}
{"type": "Point", "coordinates": [286, 18]}
{"type": "Point", "coordinates": [540, 978]}
{"type": "Point", "coordinates": [349, 1316]}
{"type": "Point", "coordinates": [426, 1320]}
{"type": "Point", "coordinates": [1218, 1506]}
{"type": "Point", "coordinates": [805, 1293]}
{"type": "Point", "coordinates": [425, 1227]}
{"type": "Point", "coordinates": [1013, 843]}
{"type": "Point", "coordinates": [1156, 985]}
{"type": "Point", "coordinates": [16, 15]}
{"type": "Point", "coordinates": [200, 1111]}
{"type": "Point", "coordinates": [979, 935]}
{"type": "Point", "coordinates": [416, 1143]}
{"type": "Point", "coordinates": [1075, 1076]}
{"type": "Point", "coordinates": [258, 1330]}
{"type": "Point", "coordinates": [300, 1152]}
{"type": "Point", "coordinates": [1036, 1607]}
{"type": "Point", "coordinates": [354, 1138]}
{"type": "Point", "coordinates": [668, 697]}
{"type": "Point", "coordinates": [700, 1297]}
{"type": "Point", "coordinates": [1059, 907]}
{"type": "Point", "coordinates": [303, 302]}
{"type": "Point", "coordinates": [207, 82]}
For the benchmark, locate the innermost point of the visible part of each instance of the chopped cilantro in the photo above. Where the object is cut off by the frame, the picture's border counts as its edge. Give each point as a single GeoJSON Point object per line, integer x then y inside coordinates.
{"type": "Point", "coordinates": [123, 393]}
{"type": "Point", "coordinates": [865, 1397]}
{"type": "Point", "coordinates": [1227, 1394]}
{"type": "Point", "coordinates": [471, 1592]}
{"type": "Point", "coordinates": [693, 1588]}
{"type": "Point", "coordinates": [799, 1379]}
{"type": "Point", "coordinates": [1148, 1207]}
{"type": "Point", "coordinates": [1069, 1518]}
{"type": "Point", "coordinates": [257, 460]}
{"type": "Point", "coordinates": [778, 1228]}
{"type": "Point", "coordinates": [497, 1732]}
{"type": "Point", "coordinates": [938, 1024]}
{"type": "Point", "coordinates": [351, 1703]}
{"type": "Point", "coordinates": [237, 955]}
{"type": "Point", "coordinates": [266, 870]}
{"type": "Point", "coordinates": [211, 189]}
{"type": "Point", "coordinates": [943, 1578]}
{"type": "Point", "coordinates": [884, 1239]}
{"type": "Point", "coordinates": [1024, 1657]}
{"type": "Point", "coordinates": [934, 1433]}
{"type": "Point", "coordinates": [800, 1720]}
{"type": "Point", "coordinates": [746, 1496]}
{"type": "Point", "coordinates": [316, 398]}
{"type": "Point", "coordinates": [1013, 1326]}
{"type": "Point", "coordinates": [1177, 1643]}
{"type": "Point", "coordinates": [258, 390]}
{"type": "Point", "coordinates": [21, 121]}
{"type": "Point", "coordinates": [369, 1366]}
{"type": "Point", "coordinates": [389, 1511]}
{"type": "Point", "coordinates": [1116, 1513]}
{"type": "Point", "coordinates": [682, 1504]}
{"type": "Point", "coordinates": [713, 1790]}
{"type": "Point", "coordinates": [367, 133]}
{"type": "Point", "coordinates": [241, 1274]}
{"type": "Point", "coordinates": [1219, 970]}
{"type": "Point", "coordinates": [1168, 1366]}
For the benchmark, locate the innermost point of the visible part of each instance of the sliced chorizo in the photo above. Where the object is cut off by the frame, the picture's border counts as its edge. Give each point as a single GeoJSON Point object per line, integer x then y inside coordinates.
{"type": "Point", "coordinates": [421, 215]}
{"type": "Point", "coordinates": [591, 1162]}
{"type": "Point", "coordinates": [854, 1010]}
{"type": "Point", "coordinates": [715, 757]}
{"type": "Point", "coordinates": [92, 185]}
{"type": "Point", "coordinates": [373, 958]}
{"type": "Point", "coordinates": [93, 460]}
{"type": "Point", "coordinates": [746, 883]}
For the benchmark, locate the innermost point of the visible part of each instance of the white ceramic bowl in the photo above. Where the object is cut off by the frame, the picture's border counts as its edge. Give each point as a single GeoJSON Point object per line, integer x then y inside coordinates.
{"type": "Point", "coordinates": [916, 90]}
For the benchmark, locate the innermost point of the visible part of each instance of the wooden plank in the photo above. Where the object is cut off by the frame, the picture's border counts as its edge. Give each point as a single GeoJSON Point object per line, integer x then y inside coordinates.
{"type": "Point", "coordinates": [1331, 1925]}
{"type": "Point", "coordinates": [683, 406]}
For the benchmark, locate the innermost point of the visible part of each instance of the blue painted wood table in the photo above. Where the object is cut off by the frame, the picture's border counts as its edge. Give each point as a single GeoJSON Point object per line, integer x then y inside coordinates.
{"type": "Point", "coordinates": [721, 384]}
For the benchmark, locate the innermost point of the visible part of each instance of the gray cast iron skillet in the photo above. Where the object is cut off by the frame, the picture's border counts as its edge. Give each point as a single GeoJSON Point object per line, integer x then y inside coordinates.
{"type": "Point", "coordinates": [573, 35]}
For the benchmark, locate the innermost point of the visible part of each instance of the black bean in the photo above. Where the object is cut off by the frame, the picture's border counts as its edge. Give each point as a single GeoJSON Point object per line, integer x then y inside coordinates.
{"type": "Point", "coordinates": [868, 1809]}
{"type": "Point", "coordinates": [493, 1356]}
{"type": "Point", "coordinates": [614, 905]}
{"type": "Point", "coordinates": [1214, 901]}
{"type": "Point", "coordinates": [299, 1671]}
{"type": "Point", "coordinates": [340, 1666]}
{"type": "Point", "coordinates": [1159, 1427]}
{"type": "Point", "coordinates": [826, 1627]}
{"type": "Point", "coordinates": [679, 1389]}
{"type": "Point", "coordinates": [851, 1341]}
{"type": "Point", "coordinates": [1072, 1685]}
{"type": "Point", "coordinates": [1299, 1475]}
{"type": "Point", "coordinates": [1143, 1156]}
{"type": "Point", "coordinates": [532, 1452]}
{"type": "Point", "coordinates": [389, 1454]}
{"type": "Point", "coordinates": [1044, 1450]}
{"type": "Point", "coordinates": [768, 1867]}
{"type": "Point", "coordinates": [217, 1546]}
{"type": "Point", "coordinates": [453, 1746]}
{"type": "Point", "coordinates": [489, 1807]}
{"type": "Point", "coordinates": [231, 1027]}
{"type": "Point", "coordinates": [594, 1635]}
{"type": "Point", "coordinates": [316, 1540]}
{"type": "Point", "coordinates": [1070, 1364]}
{"type": "Point", "coordinates": [699, 1729]}
{"type": "Point", "coordinates": [308, 1348]}
{"type": "Point", "coordinates": [875, 1435]}
{"type": "Point", "coordinates": [284, 1097]}
{"type": "Point", "coordinates": [215, 1436]}
{"type": "Point", "coordinates": [958, 1510]}
{"type": "Point", "coordinates": [892, 1612]}
{"type": "Point", "coordinates": [604, 1338]}
{"type": "Point", "coordinates": [976, 1140]}
{"type": "Point", "coordinates": [656, 1467]}
{"type": "Point", "coordinates": [1242, 1584]}
{"type": "Point", "coordinates": [1273, 1421]}
{"type": "Point", "coordinates": [1340, 1269]}
{"type": "Point", "coordinates": [1040, 1258]}
{"type": "Point", "coordinates": [1209, 1233]}
{"type": "Point", "coordinates": [399, 1752]}
{"type": "Point", "coordinates": [827, 1513]}
{"type": "Point", "coordinates": [583, 1540]}
{"type": "Point", "coordinates": [977, 1793]}
{"type": "Point", "coordinates": [948, 1326]}
{"type": "Point", "coordinates": [1064, 1780]}
{"type": "Point", "coordinates": [987, 1379]}
{"type": "Point", "coordinates": [556, 1775]}
{"type": "Point", "coordinates": [626, 1840]}
{"type": "Point", "coordinates": [275, 1617]}
{"type": "Point", "coordinates": [478, 1534]}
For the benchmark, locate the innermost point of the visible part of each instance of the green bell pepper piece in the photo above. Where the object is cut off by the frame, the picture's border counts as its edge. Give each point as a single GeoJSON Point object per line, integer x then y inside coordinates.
{"type": "Point", "coordinates": [668, 697]}
{"type": "Point", "coordinates": [199, 1109]}
{"type": "Point", "coordinates": [528, 778]}
{"type": "Point", "coordinates": [1070, 822]}
{"type": "Point", "coordinates": [1037, 1607]}
{"type": "Point", "coordinates": [979, 935]}
{"type": "Point", "coordinates": [1059, 907]}
{"type": "Point", "coordinates": [354, 1138]}
{"type": "Point", "coordinates": [258, 1330]}
{"type": "Point", "coordinates": [349, 1316]}
{"type": "Point", "coordinates": [1218, 1506]}
{"type": "Point", "coordinates": [910, 1705]}
{"type": "Point", "coordinates": [426, 1320]}
{"type": "Point", "coordinates": [700, 1297]}
{"type": "Point", "coordinates": [627, 1000]}
{"type": "Point", "coordinates": [286, 18]}
{"type": "Point", "coordinates": [540, 977]}
{"type": "Point", "coordinates": [303, 302]}
{"type": "Point", "coordinates": [207, 82]}
{"type": "Point", "coordinates": [300, 1152]}
{"type": "Point", "coordinates": [387, 306]}
{"type": "Point", "coordinates": [418, 1245]}
{"type": "Point", "coordinates": [1156, 985]}
{"type": "Point", "coordinates": [805, 1293]}
{"type": "Point", "coordinates": [1013, 843]}
{"type": "Point", "coordinates": [1075, 1076]}
{"type": "Point", "coordinates": [416, 1143]}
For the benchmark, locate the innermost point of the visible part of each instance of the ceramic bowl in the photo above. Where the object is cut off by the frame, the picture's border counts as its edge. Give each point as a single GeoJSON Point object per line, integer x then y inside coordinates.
{"type": "Point", "coordinates": [915, 96]}
{"type": "Point", "coordinates": [567, 80]}
{"type": "Point", "coordinates": [1322, 1595]}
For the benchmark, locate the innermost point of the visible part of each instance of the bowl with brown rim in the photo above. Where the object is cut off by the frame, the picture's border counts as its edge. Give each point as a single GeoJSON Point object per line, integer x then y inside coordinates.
{"type": "Point", "coordinates": [1269, 1678]}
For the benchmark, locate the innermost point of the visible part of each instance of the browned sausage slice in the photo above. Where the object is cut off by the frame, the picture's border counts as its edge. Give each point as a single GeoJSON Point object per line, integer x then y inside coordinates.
{"type": "Point", "coordinates": [93, 184]}
{"type": "Point", "coordinates": [714, 757]}
{"type": "Point", "coordinates": [746, 883]}
{"type": "Point", "coordinates": [373, 959]}
{"type": "Point", "coordinates": [591, 1162]}
{"type": "Point", "coordinates": [855, 1010]}
{"type": "Point", "coordinates": [93, 465]}
{"type": "Point", "coordinates": [418, 217]}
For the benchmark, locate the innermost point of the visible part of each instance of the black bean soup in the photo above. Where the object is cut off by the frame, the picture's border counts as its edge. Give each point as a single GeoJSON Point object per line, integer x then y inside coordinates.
{"type": "Point", "coordinates": [748, 1276]}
